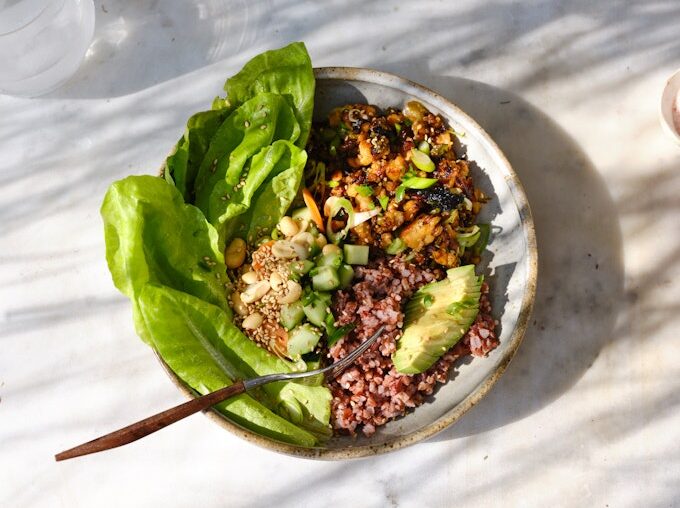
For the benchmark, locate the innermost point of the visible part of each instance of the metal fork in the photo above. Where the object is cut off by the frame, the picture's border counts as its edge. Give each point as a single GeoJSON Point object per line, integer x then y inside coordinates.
{"type": "Point", "coordinates": [158, 421]}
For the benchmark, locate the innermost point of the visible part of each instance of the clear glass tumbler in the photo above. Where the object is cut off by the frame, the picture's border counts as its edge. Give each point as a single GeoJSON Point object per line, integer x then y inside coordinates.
{"type": "Point", "coordinates": [42, 43]}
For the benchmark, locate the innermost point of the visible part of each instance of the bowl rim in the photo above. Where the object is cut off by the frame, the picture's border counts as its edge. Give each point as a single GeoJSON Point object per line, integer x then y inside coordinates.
{"type": "Point", "coordinates": [428, 431]}
{"type": "Point", "coordinates": [667, 100]}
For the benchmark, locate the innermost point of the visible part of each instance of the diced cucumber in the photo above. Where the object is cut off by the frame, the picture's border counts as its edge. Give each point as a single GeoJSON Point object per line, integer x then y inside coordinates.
{"type": "Point", "coordinates": [291, 315]}
{"type": "Point", "coordinates": [333, 259]}
{"type": "Point", "coordinates": [316, 311]}
{"type": "Point", "coordinates": [324, 297]}
{"type": "Point", "coordinates": [303, 339]}
{"type": "Point", "coordinates": [356, 254]}
{"type": "Point", "coordinates": [301, 267]}
{"type": "Point", "coordinates": [345, 274]}
{"type": "Point", "coordinates": [325, 279]}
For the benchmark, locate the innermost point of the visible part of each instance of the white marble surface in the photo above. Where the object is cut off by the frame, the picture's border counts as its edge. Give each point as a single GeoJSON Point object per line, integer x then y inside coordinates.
{"type": "Point", "coordinates": [588, 414]}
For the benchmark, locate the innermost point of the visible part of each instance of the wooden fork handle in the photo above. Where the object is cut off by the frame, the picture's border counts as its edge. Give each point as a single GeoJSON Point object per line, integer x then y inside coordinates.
{"type": "Point", "coordinates": [152, 424]}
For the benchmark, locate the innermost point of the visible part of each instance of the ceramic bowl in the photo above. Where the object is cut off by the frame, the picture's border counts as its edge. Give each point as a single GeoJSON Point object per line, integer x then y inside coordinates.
{"type": "Point", "coordinates": [670, 107]}
{"type": "Point", "coordinates": [510, 265]}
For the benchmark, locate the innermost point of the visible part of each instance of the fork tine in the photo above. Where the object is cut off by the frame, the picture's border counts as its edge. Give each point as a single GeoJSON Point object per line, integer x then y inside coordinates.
{"type": "Point", "coordinates": [341, 365]}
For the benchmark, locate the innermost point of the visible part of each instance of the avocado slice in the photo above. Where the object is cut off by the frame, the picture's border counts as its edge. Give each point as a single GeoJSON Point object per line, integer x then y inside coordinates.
{"type": "Point", "coordinates": [436, 318]}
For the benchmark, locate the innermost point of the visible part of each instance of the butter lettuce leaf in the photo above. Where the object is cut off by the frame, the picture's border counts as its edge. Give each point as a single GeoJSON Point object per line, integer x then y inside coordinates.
{"type": "Point", "coordinates": [181, 167]}
{"type": "Point", "coordinates": [286, 71]}
{"type": "Point", "coordinates": [270, 187]}
{"type": "Point", "coordinates": [234, 172]}
{"type": "Point", "coordinates": [151, 235]}
{"type": "Point", "coordinates": [194, 338]}
{"type": "Point", "coordinates": [203, 347]}
{"type": "Point", "coordinates": [251, 127]}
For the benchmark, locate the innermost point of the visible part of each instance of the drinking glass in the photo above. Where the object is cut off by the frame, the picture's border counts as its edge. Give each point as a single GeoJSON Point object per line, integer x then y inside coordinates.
{"type": "Point", "coordinates": [42, 43]}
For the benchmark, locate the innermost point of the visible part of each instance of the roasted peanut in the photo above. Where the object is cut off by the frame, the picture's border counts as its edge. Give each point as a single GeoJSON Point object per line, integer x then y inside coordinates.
{"type": "Point", "coordinates": [330, 249]}
{"type": "Point", "coordinates": [288, 227]}
{"type": "Point", "coordinates": [255, 291]}
{"type": "Point", "coordinates": [294, 291]}
{"type": "Point", "coordinates": [250, 277]}
{"type": "Point", "coordinates": [235, 254]}
{"type": "Point", "coordinates": [276, 281]}
{"type": "Point", "coordinates": [252, 321]}
{"type": "Point", "coordinates": [237, 304]}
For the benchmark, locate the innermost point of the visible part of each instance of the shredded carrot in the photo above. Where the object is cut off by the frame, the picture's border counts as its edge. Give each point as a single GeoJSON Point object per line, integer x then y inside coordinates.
{"type": "Point", "coordinates": [311, 204]}
{"type": "Point", "coordinates": [279, 344]}
{"type": "Point", "coordinates": [256, 265]}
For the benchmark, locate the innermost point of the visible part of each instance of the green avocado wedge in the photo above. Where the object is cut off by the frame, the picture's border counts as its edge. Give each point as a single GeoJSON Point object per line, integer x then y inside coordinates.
{"type": "Point", "coordinates": [437, 317]}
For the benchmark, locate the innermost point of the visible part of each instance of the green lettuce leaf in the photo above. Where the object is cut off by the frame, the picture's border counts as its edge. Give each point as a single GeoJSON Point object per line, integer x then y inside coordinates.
{"type": "Point", "coordinates": [270, 187]}
{"type": "Point", "coordinates": [153, 236]}
{"type": "Point", "coordinates": [196, 339]}
{"type": "Point", "coordinates": [241, 164]}
{"type": "Point", "coordinates": [202, 345]}
{"type": "Point", "coordinates": [181, 167]}
{"type": "Point", "coordinates": [251, 127]}
{"type": "Point", "coordinates": [286, 71]}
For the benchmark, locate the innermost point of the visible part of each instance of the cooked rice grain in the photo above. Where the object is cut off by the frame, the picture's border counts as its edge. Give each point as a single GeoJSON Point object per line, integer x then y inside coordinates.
{"type": "Point", "coordinates": [372, 392]}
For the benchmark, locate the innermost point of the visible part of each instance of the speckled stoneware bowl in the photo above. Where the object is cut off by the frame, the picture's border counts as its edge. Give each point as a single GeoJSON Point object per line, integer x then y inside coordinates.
{"type": "Point", "coordinates": [510, 265]}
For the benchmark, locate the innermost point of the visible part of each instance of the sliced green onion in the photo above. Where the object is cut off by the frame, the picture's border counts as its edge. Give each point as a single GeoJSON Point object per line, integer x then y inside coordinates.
{"type": "Point", "coordinates": [424, 147]}
{"type": "Point", "coordinates": [413, 182]}
{"type": "Point", "coordinates": [397, 127]}
{"type": "Point", "coordinates": [383, 200]}
{"type": "Point", "coordinates": [421, 160]}
{"type": "Point", "coordinates": [467, 204]}
{"type": "Point", "coordinates": [484, 233]}
{"type": "Point", "coordinates": [301, 267]}
{"type": "Point", "coordinates": [332, 183]}
{"type": "Point", "coordinates": [416, 182]}
{"type": "Point", "coordinates": [339, 333]}
{"type": "Point", "coordinates": [360, 217]}
{"type": "Point", "coordinates": [468, 238]}
{"type": "Point", "coordinates": [335, 205]}
{"type": "Point", "coordinates": [396, 246]}
{"type": "Point", "coordinates": [365, 190]}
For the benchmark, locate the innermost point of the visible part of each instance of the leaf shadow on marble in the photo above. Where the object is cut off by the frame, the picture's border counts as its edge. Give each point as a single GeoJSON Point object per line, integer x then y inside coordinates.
{"type": "Point", "coordinates": [28, 319]}
{"type": "Point", "coordinates": [580, 284]}
{"type": "Point", "coordinates": [138, 45]}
